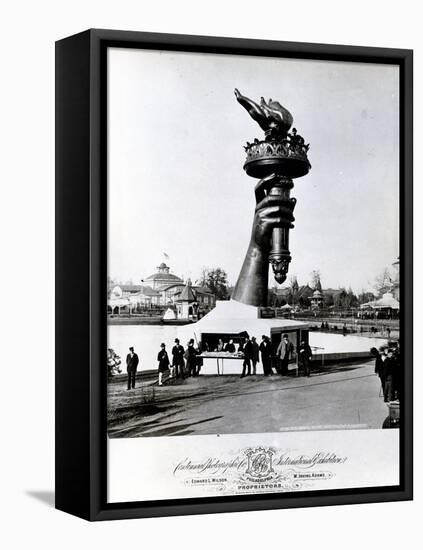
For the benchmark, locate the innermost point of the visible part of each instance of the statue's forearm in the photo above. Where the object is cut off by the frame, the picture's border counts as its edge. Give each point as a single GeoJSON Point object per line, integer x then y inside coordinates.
{"type": "Point", "coordinates": [251, 287]}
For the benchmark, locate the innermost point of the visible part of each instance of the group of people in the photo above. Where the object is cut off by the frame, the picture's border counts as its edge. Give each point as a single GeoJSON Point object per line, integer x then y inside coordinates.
{"type": "Point", "coordinates": [388, 368]}
{"type": "Point", "coordinates": [186, 362]}
{"type": "Point", "coordinates": [251, 352]}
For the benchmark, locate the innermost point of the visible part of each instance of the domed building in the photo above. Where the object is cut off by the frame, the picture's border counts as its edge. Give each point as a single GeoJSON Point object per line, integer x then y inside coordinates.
{"type": "Point", "coordinates": [170, 287]}
{"type": "Point", "coordinates": [162, 289]}
{"type": "Point", "coordinates": [163, 278]}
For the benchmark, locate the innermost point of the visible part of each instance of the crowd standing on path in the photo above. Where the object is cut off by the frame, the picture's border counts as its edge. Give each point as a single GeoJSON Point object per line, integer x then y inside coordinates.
{"type": "Point", "coordinates": [187, 362]}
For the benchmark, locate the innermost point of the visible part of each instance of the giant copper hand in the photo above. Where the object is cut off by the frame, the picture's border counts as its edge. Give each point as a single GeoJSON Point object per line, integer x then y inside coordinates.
{"type": "Point", "coordinates": [273, 213]}
{"type": "Point", "coordinates": [274, 119]}
{"type": "Point", "coordinates": [276, 160]}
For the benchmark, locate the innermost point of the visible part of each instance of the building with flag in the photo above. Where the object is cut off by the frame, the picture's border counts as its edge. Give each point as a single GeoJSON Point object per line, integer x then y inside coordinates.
{"type": "Point", "coordinates": [161, 289]}
{"type": "Point", "coordinates": [163, 278]}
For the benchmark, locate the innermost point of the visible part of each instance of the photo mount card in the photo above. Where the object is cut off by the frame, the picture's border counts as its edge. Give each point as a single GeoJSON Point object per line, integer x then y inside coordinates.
{"type": "Point", "coordinates": [246, 333]}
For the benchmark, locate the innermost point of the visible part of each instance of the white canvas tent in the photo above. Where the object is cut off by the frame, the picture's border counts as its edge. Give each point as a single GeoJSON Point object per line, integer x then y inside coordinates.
{"type": "Point", "coordinates": [118, 302]}
{"type": "Point", "coordinates": [233, 318]}
{"type": "Point", "coordinates": [388, 301]}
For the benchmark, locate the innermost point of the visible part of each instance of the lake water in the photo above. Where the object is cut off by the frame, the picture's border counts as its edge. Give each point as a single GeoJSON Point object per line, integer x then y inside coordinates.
{"type": "Point", "coordinates": [146, 340]}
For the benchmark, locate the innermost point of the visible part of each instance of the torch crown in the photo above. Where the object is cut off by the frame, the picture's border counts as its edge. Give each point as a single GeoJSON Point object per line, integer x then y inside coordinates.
{"type": "Point", "coordinates": [287, 156]}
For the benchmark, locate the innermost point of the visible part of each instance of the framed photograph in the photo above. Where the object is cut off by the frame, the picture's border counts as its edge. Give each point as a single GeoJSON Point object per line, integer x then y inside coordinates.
{"type": "Point", "coordinates": [234, 274]}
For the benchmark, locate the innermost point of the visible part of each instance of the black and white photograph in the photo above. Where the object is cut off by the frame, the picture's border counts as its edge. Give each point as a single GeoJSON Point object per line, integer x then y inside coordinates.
{"type": "Point", "coordinates": [253, 285]}
{"type": "Point", "coordinates": [210, 244]}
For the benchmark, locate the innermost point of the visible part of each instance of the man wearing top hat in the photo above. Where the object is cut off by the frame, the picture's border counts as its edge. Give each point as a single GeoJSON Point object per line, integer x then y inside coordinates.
{"type": "Point", "coordinates": [304, 357]}
{"type": "Point", "coordinates": [247, 350]}
{"type": "Point", "coordinates": [191, 356]}
{"type": "Point", "coordinates": [178, 364]}
{"type": "Point", "coordinates": [163, 359]}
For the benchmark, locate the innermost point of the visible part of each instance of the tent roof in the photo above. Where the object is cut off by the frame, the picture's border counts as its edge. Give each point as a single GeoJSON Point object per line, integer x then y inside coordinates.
{"type": "Point", "coordinates": [118, 302]}
{"type": "Point", "coordinates": [387, 301]}
{"type": "Point", "coordinates": [231, 317]}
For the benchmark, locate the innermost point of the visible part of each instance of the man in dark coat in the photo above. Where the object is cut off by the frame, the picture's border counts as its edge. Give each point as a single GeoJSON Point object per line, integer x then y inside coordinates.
{"type": "Point", "coordinates": [304, 356]}
{"type": "Point", "coordinates": [266, 355]}
{"type": "Point", "coordinates": [131, 367]}
{"type": "Point", "coordinates": [163, 359]}
{"type": "Point", "coordinates": [388, 369]}
{"type": "Point", "coordinates": [178, 363]}
{"type": "Point", "coordinates": [255, 354]}
{"type": "Point", "coordinates": [398, 374]}
{"type": "Point", "coordinates": [247, 350]}
{"type": "Point", "coordinates": [379, 364]}
{"type": "Point", "coordinates": [230, 347]}
{"type": "Point", "coordinates": [191, 356]}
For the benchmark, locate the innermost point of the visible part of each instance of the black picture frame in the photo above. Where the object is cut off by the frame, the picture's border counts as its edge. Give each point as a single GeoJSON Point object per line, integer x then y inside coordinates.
{"type": "Point", "coordinates": [81, 287]}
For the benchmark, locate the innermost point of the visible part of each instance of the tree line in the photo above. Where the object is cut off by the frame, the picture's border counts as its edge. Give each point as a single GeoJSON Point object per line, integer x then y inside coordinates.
{"type": "Point", "coordinates": [216, 280]}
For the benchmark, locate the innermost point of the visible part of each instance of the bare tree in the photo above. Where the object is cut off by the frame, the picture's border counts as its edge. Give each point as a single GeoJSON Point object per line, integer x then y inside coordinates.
{"type": "Point", "coordinates": [383, 282]}
{"type": "Point", "coordinates": [293, 290]}
{"type": "Point", "coordinates": [366, 296]}
{"type": "Point", "coordinates": [316, 280]}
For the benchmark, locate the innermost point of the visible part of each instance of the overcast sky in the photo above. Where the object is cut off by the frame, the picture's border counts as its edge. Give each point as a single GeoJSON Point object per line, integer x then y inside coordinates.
{"type": "Point", "coordinates": [175, 157]}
